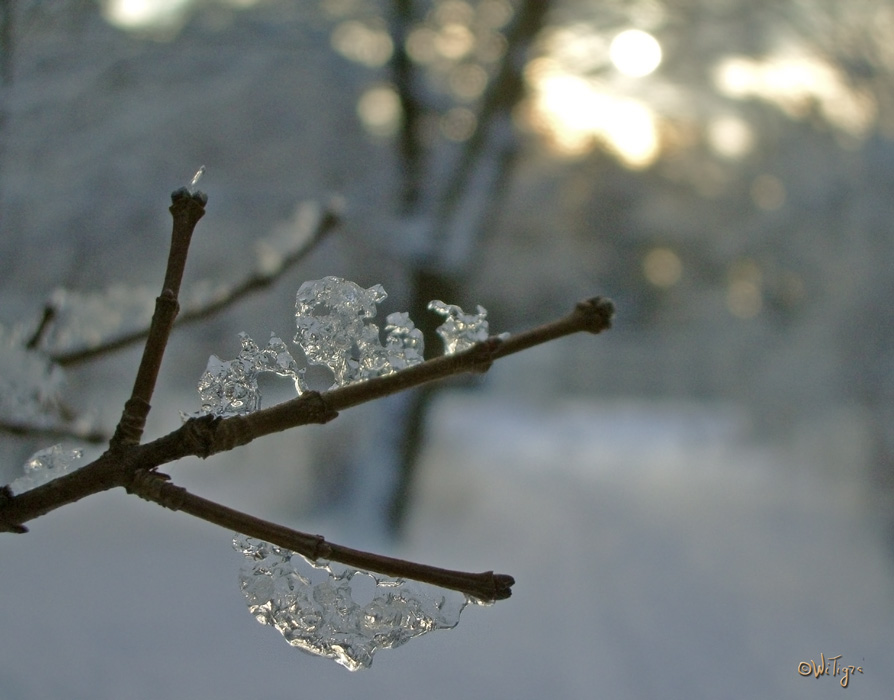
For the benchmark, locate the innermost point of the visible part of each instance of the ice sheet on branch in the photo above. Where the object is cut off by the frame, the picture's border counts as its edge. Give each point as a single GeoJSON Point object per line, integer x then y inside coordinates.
{"type": "Point", "coordinates": [336, 612]}
{"type": "Point", "coordinates": [43, 466]}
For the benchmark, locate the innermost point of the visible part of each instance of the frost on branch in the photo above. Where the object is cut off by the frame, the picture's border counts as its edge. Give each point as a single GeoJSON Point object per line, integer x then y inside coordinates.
{"type": "Point", "coordinates": [337, 612]}
{"type": "Point", "coordinates": [43, 466]}
{"type": "Point", "coordinates": [460, 330]}
{"type": "Point", "coordinates": [230, 388]}
{"type": "Point", "coordinates": [29, 384]}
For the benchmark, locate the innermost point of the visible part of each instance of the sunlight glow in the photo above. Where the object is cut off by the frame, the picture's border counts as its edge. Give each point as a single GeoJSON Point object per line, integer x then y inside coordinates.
{"type": "Point", "coordinates": [145, 14]}
{"type": "Point", "coordinates": [744, 292]}
{"type": "Point", "coordinates": [662, 267]}
{"type": "Point", "coordinates": [635, 53]}
{"type": "Point", "coordinates": [799, 83]}
{"type": "Point", "coordinates": [575, 114]}
{"type": "Point", "coordinates": [730, 136]}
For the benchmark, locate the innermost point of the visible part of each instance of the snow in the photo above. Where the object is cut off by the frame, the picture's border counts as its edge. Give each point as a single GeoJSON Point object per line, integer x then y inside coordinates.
{"type": "Point", "coordinates": [664, 576]}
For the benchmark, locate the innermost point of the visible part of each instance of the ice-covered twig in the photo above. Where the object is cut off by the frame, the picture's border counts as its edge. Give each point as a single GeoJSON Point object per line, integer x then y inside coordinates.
{"type": "Point", "coordinates": [208, 435]}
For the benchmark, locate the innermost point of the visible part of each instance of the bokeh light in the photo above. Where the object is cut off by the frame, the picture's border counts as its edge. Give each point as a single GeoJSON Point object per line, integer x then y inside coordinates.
{"type": "Point", "coordinates": [379, 111]}
{"type": "Point", "coordinates": [635, 53]}
{"type": "Point", "coordinates": [662, 267]}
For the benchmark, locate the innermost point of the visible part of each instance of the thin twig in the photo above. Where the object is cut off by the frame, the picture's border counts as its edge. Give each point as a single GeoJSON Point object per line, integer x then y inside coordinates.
{"type": "Point", "coordinates": [155, 487]}
{"type": "Point", "coordinates": [186, 208]}
{"type": "Point", "coordinates": [54, 432]}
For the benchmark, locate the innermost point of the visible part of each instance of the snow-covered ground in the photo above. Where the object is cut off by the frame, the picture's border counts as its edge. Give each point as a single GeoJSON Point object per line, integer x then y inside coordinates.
{"type": "Point", "coordinates": [657, 554]}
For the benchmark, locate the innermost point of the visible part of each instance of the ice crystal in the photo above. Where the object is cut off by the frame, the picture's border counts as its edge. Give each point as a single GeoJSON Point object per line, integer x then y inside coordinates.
{"type": "Point", "coordinates": [230, 388]}
{"type": "Point", "coordinates": [43, 466]}
{"type": "Point", "coordinates": [337, 612]}
{"type": "Point", "coordinates": [460, 330]}
{"type": "Point", "coordinates": [332, 315]}
{"type": "Point", "coordinates": [194, 183]}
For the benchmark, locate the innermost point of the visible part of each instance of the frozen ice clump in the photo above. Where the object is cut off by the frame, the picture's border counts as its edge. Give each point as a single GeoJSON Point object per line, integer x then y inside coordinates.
{"type": "Point", "coordinates": [331, 315]}
{"type": "Point", "coordinates": [403, 341]}
{"type": "Point", "coordinates": [230, 388]}
{"type": "Point", "coordinates": [43, 466]}
{"type": "Point", "coordinates": [337, 612]}
{"type": "Point", "coordinates": [460, 330]}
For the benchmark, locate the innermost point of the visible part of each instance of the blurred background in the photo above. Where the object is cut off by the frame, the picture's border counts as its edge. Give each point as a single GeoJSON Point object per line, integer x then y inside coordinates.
{"type": "Point", "coordinates": [692, 504]}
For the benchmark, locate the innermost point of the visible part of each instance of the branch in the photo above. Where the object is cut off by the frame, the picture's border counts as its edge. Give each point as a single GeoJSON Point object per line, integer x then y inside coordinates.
{"type": "Point", "coordinates": [202, 437]}
{"type": "Point", "coordinates": [132, 466]}
{"type": "Point", "coordinates": [155, 487]}
{"type": "Point", "coordinates": [186, 208]}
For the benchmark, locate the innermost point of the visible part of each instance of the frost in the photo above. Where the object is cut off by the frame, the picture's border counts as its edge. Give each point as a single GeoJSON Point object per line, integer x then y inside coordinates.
{"type": "Point", "coordinates": [87, 319]}
{"type": "Point", "coordinates": [29, 383]}
{"type": "Point", "coordinates": [43, 466]}
{"type": "Point", "coordinates": [337, 612]}
{"type": "Point", "coordinates": [230, 388]}
{"type": "Point", "coordinates": [460, 330]}
{"type": "Point", "coordinates": [331, 317]}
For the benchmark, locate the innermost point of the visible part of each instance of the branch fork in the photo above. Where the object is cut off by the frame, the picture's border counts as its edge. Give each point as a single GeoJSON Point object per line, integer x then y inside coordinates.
{"type": "Point", "coordinates": [133, 465]}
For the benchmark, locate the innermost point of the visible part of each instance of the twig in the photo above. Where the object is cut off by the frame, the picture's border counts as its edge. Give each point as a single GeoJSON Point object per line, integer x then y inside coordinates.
{"type": "Point", "coordinates": [186, 208]}
{"type": "Point", "coordinates": [155, 487]}
{"type": "Point", "coordinates": [53, 432]}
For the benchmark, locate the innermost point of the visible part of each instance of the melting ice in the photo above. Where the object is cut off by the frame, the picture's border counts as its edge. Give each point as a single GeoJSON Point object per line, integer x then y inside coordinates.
{"type": "Point", "coordinates": [43, 466]}
{"type": "Point", "coordinates": [460, 330]}
{"type": "Point", "coordinates": [230, 388]}
{"type": "Point", "coordinates": [332, 317]}
{"type": "Point", "coordinates": [337, 612]}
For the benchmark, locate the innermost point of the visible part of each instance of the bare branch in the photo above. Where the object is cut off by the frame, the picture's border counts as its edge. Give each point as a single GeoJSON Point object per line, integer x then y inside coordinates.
{"type": "Point", "coordinates": [156, 487]}
{"type": "Point", "coordinates": [186, 208]}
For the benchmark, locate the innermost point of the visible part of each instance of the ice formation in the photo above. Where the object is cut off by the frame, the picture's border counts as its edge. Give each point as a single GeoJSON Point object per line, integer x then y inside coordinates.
{"type": "Point", "coordinates": [194, 183]}
{"type": "Point", "coordinates": [43, 466]}
{"type": "Point", "coordinates": [337, 612]}
{"type": "Point", "coordinates": [460, 330]}
{"type": "Point", "coordinates": [331, 317]}
{"type": "Point", "coordinates": [230, 388]}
